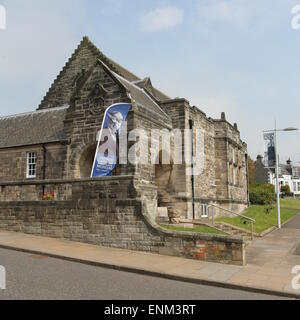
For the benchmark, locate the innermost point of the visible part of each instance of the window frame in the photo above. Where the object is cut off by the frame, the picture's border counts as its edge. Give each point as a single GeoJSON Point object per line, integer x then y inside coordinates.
{"type": "Point", "coordinates": [204, 210]}
{"type": "Point", "coordinates": [31, 165]}
{"type": "Point", "coordinates": [234, 176]}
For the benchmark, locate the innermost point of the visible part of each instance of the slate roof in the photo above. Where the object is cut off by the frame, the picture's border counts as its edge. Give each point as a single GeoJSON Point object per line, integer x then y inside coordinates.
{"type": "Point", "coordinates": [141, 97]}
{"type": "Point", "coordinates": [32, 128]}
{"type": "Point", "coordinates": [128, 75]}
{"type": "Point", "coordinates": [284, 170]}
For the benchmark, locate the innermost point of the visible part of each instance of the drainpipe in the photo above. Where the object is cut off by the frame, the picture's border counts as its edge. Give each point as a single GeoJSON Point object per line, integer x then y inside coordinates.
{"type": "Point", "coordinates": [44, 165]}
{"type": "Point", "coordinates": [247, 177]}
{"type": "Point", "coordinates": [191, 122]}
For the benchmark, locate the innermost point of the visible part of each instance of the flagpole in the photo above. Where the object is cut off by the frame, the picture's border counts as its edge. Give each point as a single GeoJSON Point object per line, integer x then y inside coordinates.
{"type": "Point", "coordinates": [277, 179]}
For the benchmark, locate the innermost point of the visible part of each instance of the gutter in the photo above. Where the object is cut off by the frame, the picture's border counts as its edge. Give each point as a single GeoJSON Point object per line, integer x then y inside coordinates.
{"type": "Point", "coordinates": [191, 122]}
{"type": "Point", "coordinates": [44, 166]}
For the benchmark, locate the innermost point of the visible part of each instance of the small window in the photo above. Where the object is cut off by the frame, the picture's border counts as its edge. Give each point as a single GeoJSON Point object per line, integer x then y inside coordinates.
{"type": "Point", "coordinates": [233, 155]}
{"type": "Point", "coordinates": [204, 211]}
{"type": "Point", "coordinates": [31, 165]}
{"type": "Point", "coordinates": [234, 176]}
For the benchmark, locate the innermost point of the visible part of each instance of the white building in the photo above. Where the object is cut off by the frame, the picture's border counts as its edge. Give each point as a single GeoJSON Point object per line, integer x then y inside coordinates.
{"type": "Point", "coordinates": [288, 175]}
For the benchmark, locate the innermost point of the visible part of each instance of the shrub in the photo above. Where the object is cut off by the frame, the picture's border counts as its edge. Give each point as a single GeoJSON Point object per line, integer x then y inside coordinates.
{"type": "Point", "coordinates": [262, 194]}
{"type": "Point", "coordinates": [285, 189]}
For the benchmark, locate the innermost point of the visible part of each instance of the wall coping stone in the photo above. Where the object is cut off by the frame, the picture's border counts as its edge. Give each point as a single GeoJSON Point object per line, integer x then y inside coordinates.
{"type": "Point", "coordinates": [65, 181]}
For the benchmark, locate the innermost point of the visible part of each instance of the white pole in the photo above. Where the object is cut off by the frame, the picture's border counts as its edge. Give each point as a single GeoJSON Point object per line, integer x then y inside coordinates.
{"type": "Point", "coordinates": [277, 182]}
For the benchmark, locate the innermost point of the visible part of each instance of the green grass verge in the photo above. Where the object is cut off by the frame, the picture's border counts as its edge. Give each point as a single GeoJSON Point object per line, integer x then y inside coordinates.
{"type": "Point", "coordinates": [290, 203]}
{"type": "Point", "coordinates": [198, 229]}
{"type": "Point", "coordinates": [264, 221]}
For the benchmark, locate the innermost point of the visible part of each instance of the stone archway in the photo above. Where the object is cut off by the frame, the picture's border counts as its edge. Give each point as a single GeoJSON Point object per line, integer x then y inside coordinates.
{"type": "Point", "coordinates": [86, 161]}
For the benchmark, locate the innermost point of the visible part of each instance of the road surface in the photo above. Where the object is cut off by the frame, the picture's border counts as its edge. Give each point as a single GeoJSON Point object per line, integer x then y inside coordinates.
{"type": "Point", "coordinates": [36, 277]}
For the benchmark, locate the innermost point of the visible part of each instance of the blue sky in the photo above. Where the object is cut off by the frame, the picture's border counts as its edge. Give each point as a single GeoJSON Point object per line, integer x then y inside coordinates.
{"type": "Point", "coordinates": [237, 56]}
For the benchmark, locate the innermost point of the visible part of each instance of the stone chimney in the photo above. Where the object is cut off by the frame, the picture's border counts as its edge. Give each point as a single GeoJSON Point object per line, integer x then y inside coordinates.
{"type": "Point", "coordinates": [259, 159]}
{"type": "Point", "coordinates": [223, 116]}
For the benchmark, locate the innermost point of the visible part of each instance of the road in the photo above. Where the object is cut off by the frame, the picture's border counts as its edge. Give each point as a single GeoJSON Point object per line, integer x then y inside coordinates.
{"type": "Point", "coordinates": [31, 277]}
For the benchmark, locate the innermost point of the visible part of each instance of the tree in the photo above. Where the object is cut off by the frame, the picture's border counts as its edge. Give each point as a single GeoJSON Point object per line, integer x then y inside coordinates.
{"type": "Point", "coordinates": [262, 194]}
{"type": "Point", "coordinates": [285, 189]}
{"type": "Point", "coordinates": [251, 171]}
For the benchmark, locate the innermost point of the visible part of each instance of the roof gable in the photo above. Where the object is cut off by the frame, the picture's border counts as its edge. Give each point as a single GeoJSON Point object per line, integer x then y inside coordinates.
{"type": "Point", "coordinates": [84, 57]}
{"type": "Point", "coordinates": [140, 96]}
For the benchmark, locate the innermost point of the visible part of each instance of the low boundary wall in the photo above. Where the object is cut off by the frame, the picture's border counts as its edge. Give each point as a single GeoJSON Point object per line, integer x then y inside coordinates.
{"type": "Point", "coordinates": [115, 212]}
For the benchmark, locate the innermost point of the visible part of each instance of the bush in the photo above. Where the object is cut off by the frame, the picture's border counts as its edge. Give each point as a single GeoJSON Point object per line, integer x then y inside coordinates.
{"type": "Point", "coordinates": [287, 195]}
{"type": "Point", "coordinates": [285, 189]}
{"type": "Point", "coordinates": [262, 194]}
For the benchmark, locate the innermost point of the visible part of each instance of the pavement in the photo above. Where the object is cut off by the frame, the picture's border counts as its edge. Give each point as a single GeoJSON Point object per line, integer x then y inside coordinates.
{"type": "Point", "coordinates": [270, 261]}
{"type": "Point", "coordinates": [36, 277]}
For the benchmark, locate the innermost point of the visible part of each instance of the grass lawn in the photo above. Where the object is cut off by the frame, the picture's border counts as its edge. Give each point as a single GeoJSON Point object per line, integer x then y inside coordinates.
{"type": "Point", "coordinates": [290, 203]}
{"type": "Point", "coordinates": [198, 229]}
{"type": "Point", "coordinates": [264, 221]}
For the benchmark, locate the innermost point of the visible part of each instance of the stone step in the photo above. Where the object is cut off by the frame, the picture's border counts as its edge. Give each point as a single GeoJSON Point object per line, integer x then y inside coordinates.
{"type": "Point", "coordinates": [233, 231]}
{"type": "Point", "coordinates": [162, 212]}
{"type": "Point", "coordinates": [162, 215]}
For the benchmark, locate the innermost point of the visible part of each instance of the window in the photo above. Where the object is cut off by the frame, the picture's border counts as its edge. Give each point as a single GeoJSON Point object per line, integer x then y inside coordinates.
{"type": "Point", "coordinates": [31, 165]}
{"type": "Point", "coordinates": [298, 186]}
{"type": "Point", "coordinates": [204, 211]}
{"type": "Point", "coordinates": [234, 176]}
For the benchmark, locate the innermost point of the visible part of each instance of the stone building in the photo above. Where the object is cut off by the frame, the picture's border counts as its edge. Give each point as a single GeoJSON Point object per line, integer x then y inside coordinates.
{"type": "Point", "coordinates": [52, 150]}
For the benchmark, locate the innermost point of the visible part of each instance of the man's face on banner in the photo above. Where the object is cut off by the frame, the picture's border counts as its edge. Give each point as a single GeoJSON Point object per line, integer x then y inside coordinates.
{"type": "Point", "coordinates": [115, 122]}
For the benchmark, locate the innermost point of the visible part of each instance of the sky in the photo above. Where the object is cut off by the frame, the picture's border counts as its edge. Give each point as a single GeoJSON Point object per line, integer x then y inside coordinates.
{"type": "Point", "coordinates": [237, 56]}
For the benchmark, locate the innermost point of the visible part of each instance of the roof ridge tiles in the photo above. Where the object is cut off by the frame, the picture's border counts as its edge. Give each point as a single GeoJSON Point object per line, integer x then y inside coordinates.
{"type": "Point", "coordinates": [24, 114]}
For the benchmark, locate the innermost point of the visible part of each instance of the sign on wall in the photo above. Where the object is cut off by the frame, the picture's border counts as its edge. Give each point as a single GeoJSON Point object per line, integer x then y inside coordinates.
{"type": "Point", "coordinates": [270, 156]}
{"type": "Point", "coordinates": [107, 152]}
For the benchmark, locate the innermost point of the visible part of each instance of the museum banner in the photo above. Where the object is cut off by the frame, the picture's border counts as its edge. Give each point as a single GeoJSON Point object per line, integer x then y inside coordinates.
{"type": "Point", "coordinates": [106, 157]}
{"type": "Point", "coordinates": [269, 156]}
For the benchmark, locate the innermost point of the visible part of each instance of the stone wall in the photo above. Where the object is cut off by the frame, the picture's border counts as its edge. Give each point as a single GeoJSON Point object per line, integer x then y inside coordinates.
{"type": "Point", "coordinates": [114, 212]}
{"type": "Point", "coordinates": [205, 182]}
{"type": "Point", "coordinates": [223, 153]}
{"type": "Point", "coordinates": [85, 116]}
{"type": "Point", "coordinates": [13, 162]}
{"type": "Point", "coordinates": [230, 167]}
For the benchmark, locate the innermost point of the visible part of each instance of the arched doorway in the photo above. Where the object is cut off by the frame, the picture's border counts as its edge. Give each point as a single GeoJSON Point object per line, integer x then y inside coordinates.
{"type": "Point", "coordinates": [86, 161]}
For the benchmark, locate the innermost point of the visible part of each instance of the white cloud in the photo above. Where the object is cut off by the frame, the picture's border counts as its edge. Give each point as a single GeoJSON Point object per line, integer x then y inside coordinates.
{"type": "Point", "coordinates": [162, 18]}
